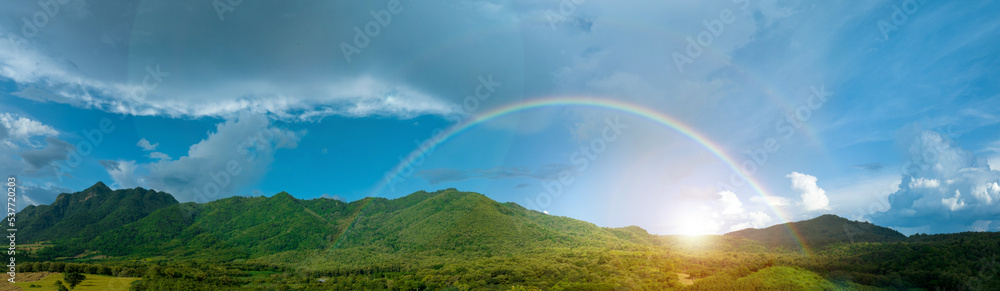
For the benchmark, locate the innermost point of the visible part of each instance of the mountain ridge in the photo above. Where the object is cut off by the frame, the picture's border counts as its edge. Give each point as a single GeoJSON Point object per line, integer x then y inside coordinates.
{"type": "Point", "coordinates": [253, 227]}
{"type": "Point", "coordinates": [125, 221]}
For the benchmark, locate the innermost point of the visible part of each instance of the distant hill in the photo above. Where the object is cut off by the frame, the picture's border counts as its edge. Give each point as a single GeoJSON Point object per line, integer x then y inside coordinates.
{"type": "Point", "coordinates": [820, 232]}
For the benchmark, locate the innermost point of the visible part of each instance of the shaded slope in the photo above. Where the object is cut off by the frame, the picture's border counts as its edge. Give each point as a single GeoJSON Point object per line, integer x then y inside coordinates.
{"type": "Point", "coordinates": [235, 227]}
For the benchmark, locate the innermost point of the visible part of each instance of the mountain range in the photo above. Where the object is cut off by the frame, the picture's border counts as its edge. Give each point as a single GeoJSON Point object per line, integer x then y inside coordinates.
{"type": "Point", "coordinates": [138, 221]}
{"type": "Point", "coordinates": [129, 221]}
{"type": "Point", "coordinates": [454, 238]}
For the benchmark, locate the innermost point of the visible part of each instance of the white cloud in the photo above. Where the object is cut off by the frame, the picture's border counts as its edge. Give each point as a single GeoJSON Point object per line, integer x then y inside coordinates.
{"type": "Point", "coordinates": [723, 212]}
{"type": "Point", "coordinates": [698, 220]}
{"type": "Point", "coordinates": [985, 192]}
{"type": "Point", "coordinates": [159, 156]}
{"type": "Point", "coordinates": [732, 204]}
{"type": "Point", "coordinates": [770, 200]}
{"type": "Point", "coordinates": [737, 217]}
{"type": "Point", "coordinates": [813, 197]}
{"type": "Point", "coordinates": [954, 203]}
{"type": "Point", "coordinates": [981, 225]}
{"type": "Point", "coordinates": [21, 137]}
{"type": "Point", "coordinates": [79, 64]}
{"type": "Point", "coordinates": [710, 218]}
{"type": "Point", "coordinates": [277, 73]}
{"type": "Point", "coordinates": [28, 149]}
{"type": "Point", "coordinates": [755, 219]}
{"type": "Point", "coordinates": [230, 160]}
{"type": "Point", "coordinates": [859, 195]}
{"type": "Point", "coordinates": [354, 97]}
{"type": "Point", "coordinates": [123, 173]}
{"type": "Point", "coordinates": [994, 162]}
{"type": "Point", "coordinates": [146, 146]}
{"type": "Point", "coordinates": [926, 183]}
{"type": "Point", "coordinates": [21, 128]}
{"type": "Point", "coordinates": [334, 197]}
{"type": "Point", "coordinates": [968, 192]}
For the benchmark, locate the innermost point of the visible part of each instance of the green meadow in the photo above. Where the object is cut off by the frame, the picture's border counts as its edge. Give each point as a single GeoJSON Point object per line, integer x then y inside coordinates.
{"type": "Point", "coordinates": [91, 283]}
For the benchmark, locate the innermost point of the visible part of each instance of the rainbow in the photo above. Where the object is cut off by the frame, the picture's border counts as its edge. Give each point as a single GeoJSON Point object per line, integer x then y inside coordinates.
{"type": "Point", "coordinates": [608, 104]}
{"type": "Point", "coordinates": [780, 99]}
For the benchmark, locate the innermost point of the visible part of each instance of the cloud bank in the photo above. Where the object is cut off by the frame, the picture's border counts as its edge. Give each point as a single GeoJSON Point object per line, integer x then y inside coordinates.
{"type": "Point", "coordinates": [226, 163]}
{"type": "Point", "coordinates": [30, 148]}
{"type": "Point", "coordinates": [944, 188]}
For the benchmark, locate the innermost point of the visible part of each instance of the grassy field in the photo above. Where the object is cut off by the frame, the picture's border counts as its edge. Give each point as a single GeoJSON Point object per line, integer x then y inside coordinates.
{"type": "Point", "coordinates": [93, 282]}
{"type": "Point", "coordinates": [776, 278]}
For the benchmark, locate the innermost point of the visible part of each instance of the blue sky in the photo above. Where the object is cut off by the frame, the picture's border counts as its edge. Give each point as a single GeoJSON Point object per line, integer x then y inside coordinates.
{"type": "Point", "coordinates": [207, 100]}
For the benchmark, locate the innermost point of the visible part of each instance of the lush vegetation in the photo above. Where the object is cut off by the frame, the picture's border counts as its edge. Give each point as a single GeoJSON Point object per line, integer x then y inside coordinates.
{"type": "Point", "coordinates": [463, 241]}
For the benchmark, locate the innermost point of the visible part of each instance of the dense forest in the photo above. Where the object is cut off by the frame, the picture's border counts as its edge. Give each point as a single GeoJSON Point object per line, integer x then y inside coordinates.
{"type": "Point", "coordinates": [465, 241]}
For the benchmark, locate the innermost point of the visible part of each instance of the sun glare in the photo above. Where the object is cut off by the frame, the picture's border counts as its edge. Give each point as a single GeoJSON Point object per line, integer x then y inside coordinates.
{"type": "Point", "coordinates": [696, 224]}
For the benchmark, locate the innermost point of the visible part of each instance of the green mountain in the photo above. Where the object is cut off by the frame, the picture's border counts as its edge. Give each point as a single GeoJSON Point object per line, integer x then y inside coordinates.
{"type": "Point", "coordinates": [820, 232]}
{"type": "Point", "coordinates": [86, 214]}
{"type": "Point", "coordinates": [139, 223]}
{"type": "Point", "coordinates": [236, 227]}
